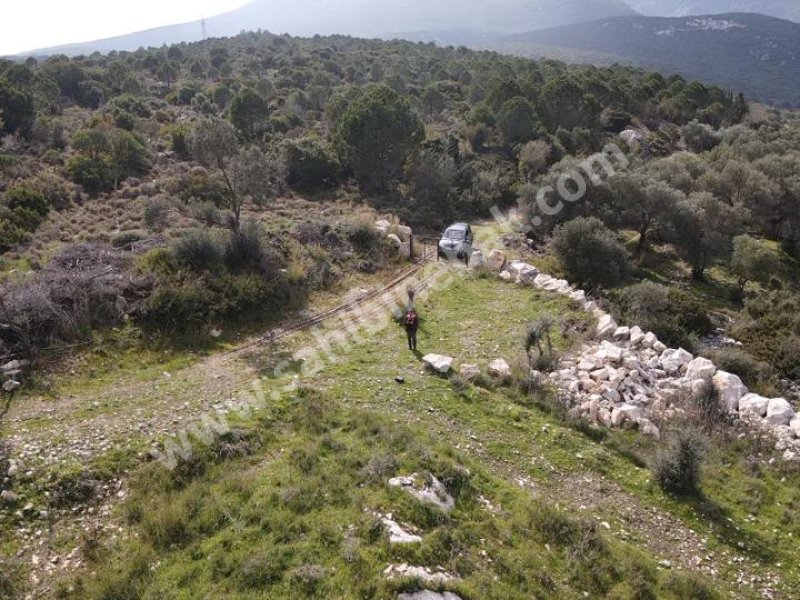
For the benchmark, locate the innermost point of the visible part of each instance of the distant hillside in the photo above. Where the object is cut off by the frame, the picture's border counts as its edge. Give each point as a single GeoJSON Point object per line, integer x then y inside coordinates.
{"type": "Point", "coordinates": [754, 54]}
{"type": "Point", "coordinates": [781, 9]}
{"type": "Point", "coordinates": [370, 18]}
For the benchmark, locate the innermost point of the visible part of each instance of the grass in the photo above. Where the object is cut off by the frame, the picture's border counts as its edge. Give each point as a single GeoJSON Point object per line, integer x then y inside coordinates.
{"type": "Point", "coordinates": [290, 510]}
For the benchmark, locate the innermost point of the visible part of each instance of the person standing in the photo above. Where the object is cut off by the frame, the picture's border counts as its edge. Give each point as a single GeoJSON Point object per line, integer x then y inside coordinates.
{"type": "Point", "coordinates": [412, 325]}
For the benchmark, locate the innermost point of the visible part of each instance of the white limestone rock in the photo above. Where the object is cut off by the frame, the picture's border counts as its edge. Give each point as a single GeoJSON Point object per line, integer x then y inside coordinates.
{"type": "Point", "coordinates": [605, 326]}
{"type": "Point", "coordinates": [701, 368]}
{"type": "Point", "coordinates": [636, 336]}
{"type": "Point", "coordinates": [438, 362]}
{"type": "Point", "coordinates": [779, 412]}
{"type": "Point", "coordinates": [730, 389]}
{"type": "Point", "coordinates": [753, 405]}
{"type": "Point", "coordinates": [673, 360]}
{"type": "Point", "coordinates": [477, 260]}
{"type": "Point", "coordinates": [496, 261]}
{"type": "Point", "coordinates": [499, 368]}
{"type": "Point", "coordinates": [398, 535]}
{"type": "Point", "coordinates": [626, 412]}
{"type": "Point", "coordinates": [469, 372]}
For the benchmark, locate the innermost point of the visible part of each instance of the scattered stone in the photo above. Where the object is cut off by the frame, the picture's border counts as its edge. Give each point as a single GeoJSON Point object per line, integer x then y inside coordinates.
{"type": "Point", "coordinates": [439, 363]}
{"type": "Point", "coordinates": [11, 385]}
{"type": "Point", "coordinates": [434, 491]}
{"type": "Point", "coordinates": [398, 535]}
{"type": "Point", "coordinates": [496, 261]}
{"type": "Point", "coordinates": [421, 573]}
{"type": "Point", "coordinates": [477, 260]}
{"type": "Point", "coordinates": [428, 595]}
{"type": "Point", "coordinates": [8, 496]}
{"type": "Point", "coordinates": [499, 368]}
{"type": "Point", "coordinates": [469, 372]}
{"type": "Point", "coordinates": [672, 361]}
{"type": "Point", "coordinates": [399, 379]}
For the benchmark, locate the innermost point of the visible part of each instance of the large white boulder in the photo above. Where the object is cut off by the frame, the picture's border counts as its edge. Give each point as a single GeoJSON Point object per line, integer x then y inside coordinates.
{"type": "Point", "coordinates": [499, 368]}
{"type": "Point", "coordinates": [404, 248]}
{"type": "Point", "coordinates": [438, 362]}
{"type": "Point", "coordinates": [523, 272]}
{"type": "Point", "coordinates": [496, 261]}
{"type": "Point", "coordinates": [626, 412]}
{"type": "Point", "coordinates": [673, 360]}
{"type": "Point", "coordinates": [730, 389]}
{"type": "Point", "coordinates": [605, 326]}
{"type": "Point", "coordinates": [404, 233]}
{"type": "Point", "coordinates": [701, 368]}
{"type": "Point", "coordinates": [477, 260]}
{"type": "Point", "coordinates": [753, 405]}
{"type": "Point", "coordinates": [649, 340]}
{"type": "Point", "coordinates": [779, 412]}
{"type": "Point", "coordinates": [383, 227]}
{"type": "Point", "coordinates": [636, 335]}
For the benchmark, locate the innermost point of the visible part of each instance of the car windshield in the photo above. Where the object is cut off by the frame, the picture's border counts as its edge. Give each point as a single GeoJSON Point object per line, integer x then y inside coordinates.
{"type": "Point", "coordinates": [454, 234]}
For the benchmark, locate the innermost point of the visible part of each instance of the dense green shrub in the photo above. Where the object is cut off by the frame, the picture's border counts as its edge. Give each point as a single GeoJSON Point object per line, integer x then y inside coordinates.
{"type": "Point", "coordinates": [771, 331]}
{"type": "Point", "coordinates": [95, 175]}
{"type": "Point", "coordinates": [311, 165]}
{"type": "Point", "coordinates": [590, 253]}
{"type": "Point", "coordinates": [198, 250]}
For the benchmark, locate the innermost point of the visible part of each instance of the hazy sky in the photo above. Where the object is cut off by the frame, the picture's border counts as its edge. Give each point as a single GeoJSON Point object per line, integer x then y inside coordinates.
{"type": "Point", "coordinates": [31, 24]}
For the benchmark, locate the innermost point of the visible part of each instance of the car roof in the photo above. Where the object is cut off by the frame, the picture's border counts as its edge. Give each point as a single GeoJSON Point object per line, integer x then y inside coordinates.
{"type": "Point", "coordinates": [463, 226]}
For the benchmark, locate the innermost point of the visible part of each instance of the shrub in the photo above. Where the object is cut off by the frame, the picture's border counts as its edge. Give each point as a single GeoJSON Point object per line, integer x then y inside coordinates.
{"type": "Point", "coordinates": [311, 165]}
{"type": "Point", "coordinates": [25, 196]}
{"type": "Point", "coordinates": [198, 250]}
{"type": "Point", "coordinates": [363, 236]}
{"type": "Point", "coordinates": [677, 465]}
{"type": "Point", "coordinates": [93, 174]}
{"type": "Point", "coordinates": [244, 250]}
{"type": "Point", "coordinates": [155, 214]}
{"type": "Point", "coordinates": [771, 331]}
{"type": "Point", "coordinates": [589, 253]}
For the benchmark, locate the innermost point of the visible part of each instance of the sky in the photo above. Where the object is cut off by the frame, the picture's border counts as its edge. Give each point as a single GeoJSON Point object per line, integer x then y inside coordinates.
{"type": "Point", "coordinates": [32, 24]}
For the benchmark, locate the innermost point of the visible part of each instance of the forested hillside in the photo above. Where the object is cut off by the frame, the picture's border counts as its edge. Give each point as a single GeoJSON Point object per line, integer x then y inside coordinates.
{"type": "Point", "coordinates": [204, 131]}
{"type": "Point", "coordinates": [754, 54]}
{"type": "Point", "coordinates": [171, 201]}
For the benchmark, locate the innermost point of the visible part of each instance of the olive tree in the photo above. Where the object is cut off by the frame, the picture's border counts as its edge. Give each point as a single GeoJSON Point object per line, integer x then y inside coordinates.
{"type": "Point", "coordinates": [753, 260]}
{"type": "Point", "coordinates": [248, 173]}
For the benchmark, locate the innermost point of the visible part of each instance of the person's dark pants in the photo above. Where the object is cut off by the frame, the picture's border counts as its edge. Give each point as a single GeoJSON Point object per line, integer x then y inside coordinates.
{"type": "Point", "coordinates": [411, 332]}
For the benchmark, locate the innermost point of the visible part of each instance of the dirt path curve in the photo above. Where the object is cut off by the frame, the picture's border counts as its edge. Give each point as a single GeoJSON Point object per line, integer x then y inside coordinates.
{"type": "Point", "coordinates": [46, 432]}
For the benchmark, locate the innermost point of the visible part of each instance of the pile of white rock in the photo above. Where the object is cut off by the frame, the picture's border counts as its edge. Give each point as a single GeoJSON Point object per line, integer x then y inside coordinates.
{"type": "Point", "coordinates": [627, 376]}
{"type": "Point", "coordinates": [400, 235]}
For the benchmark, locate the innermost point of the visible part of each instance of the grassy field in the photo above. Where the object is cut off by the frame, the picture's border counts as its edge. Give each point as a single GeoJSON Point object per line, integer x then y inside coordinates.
{"type": "Point", "coordinates": [288, 504]}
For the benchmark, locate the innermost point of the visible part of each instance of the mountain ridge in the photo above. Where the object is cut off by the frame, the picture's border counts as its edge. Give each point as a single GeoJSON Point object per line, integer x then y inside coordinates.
{"type": "Point", "coordinates": [753, 54]}
{"type": "Point", "coordinates": [363, 19]}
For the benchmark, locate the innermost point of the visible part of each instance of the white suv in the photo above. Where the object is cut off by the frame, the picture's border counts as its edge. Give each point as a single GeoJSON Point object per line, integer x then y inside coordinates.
{"type": "Point", "coordinates": [456, 243]}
